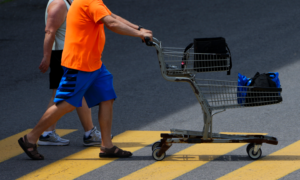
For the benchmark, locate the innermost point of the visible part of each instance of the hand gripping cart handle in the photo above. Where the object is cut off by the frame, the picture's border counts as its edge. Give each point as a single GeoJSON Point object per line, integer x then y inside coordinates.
{"type": "Point", "coordinates": [214, 96]}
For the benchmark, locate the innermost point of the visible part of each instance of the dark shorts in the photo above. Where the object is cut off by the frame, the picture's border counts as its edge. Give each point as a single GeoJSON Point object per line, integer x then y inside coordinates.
{"type": "Point", "coordinates": [56, 71]}
{"type": "Point", "coordinates": [95, 87]}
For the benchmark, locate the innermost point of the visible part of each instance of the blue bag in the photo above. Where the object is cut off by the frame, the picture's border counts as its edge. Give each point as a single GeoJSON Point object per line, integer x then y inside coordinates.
{"type": "Point", "coordinates": [244, 81]}
{"type": "Point", "coordinates": [275, 78]}
{"type": "Point", "coordinates": [242, 91]}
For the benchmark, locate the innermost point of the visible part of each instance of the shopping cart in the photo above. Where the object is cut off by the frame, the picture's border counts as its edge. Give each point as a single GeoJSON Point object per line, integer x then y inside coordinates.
{"type": "Point", "coordinates": [214, 96]}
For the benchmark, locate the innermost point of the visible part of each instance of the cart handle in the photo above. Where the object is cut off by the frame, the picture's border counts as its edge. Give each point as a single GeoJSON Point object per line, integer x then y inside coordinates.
{"type": "Point", "coordinates": [148, 42]}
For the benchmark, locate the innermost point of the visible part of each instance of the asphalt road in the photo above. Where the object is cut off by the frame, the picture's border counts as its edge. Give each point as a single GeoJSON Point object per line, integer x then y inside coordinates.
{"type": "Point", "coordinates": [263, 36]}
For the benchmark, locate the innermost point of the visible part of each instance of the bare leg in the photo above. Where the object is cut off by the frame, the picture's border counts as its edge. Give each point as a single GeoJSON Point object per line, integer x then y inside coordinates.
{"type": "Point", "coordinates": [51, 103]}
{"type": "Point", "coordinates": [85, 116]}
{"type": "Point", "coordinates": [107, 148]}
{"type": "Point", "coordinates": [51, 116]}
{"type": "Point", "coordinates": [105, 122]}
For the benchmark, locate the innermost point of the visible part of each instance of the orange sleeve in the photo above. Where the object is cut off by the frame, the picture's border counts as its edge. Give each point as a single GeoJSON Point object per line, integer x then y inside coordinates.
{"type": "Point", "coordinates": [98, 10]}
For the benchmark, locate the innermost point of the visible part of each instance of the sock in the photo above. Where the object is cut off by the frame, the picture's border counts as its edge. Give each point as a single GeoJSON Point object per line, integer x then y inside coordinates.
{"type": "Point", "coordinates": [46, 133]}
{"type": "Point", "coordinates": [87, 133]}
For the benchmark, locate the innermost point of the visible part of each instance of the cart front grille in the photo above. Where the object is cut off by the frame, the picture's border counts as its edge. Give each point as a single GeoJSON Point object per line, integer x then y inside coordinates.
{"type": "Point", "coordinates": [226, 94]}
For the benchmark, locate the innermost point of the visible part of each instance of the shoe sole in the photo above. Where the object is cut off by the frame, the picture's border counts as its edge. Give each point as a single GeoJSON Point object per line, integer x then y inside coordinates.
{"type": "Point", "coordinates": [92, 144]}
{"type": "Point", "coordinates": [41, 143]}
{"type": "Point", "coordinates": [103, 155]}
{"type": "Point", "coordinates": [95, 143]}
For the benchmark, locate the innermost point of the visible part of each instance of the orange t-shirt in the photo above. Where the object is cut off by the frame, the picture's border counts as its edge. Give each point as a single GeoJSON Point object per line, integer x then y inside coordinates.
{"type": "Point", "coordinates": [85, 37]}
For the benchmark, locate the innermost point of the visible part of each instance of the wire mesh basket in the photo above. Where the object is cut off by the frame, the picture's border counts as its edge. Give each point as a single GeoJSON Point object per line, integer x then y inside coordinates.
{"type": "Point", "coordinates": [179, 62]}
{"type": "Point", "coordinates": [227, 94]}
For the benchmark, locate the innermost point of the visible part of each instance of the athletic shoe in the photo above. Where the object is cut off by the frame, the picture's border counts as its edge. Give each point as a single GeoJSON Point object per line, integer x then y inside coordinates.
{"type": "Point", "coordinates": [52, 139]}
{"type": "Point", "coordinates": [93, 139]}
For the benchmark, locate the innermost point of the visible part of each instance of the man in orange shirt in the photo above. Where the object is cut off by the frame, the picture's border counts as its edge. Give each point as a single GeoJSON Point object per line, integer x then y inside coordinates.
{"type": "Point", "coordinates": [84, 73]}
{"type": "Point", "coordinates": [55, 16]}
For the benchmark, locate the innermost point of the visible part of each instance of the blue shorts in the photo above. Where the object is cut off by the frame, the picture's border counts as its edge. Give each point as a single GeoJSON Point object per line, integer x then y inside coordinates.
{"type": "Point", "coordinates": [95, 87]}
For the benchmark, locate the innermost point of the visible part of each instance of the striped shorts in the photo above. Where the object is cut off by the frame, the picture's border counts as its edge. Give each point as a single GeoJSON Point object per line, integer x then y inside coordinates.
{"type": "Point", "coordinates": [95, 87]}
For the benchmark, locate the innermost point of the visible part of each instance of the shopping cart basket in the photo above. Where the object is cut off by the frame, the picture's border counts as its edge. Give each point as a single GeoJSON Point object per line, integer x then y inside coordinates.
{"type": "Point", "coordinates": [214, 96]}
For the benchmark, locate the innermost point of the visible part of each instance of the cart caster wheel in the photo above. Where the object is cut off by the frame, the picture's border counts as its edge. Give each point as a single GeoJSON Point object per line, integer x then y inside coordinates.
{"type": "Point", "coordinates": [252, 155]}
{"type": "Point", "coordinates": [155, 145]}
{"type": "Point", "coordinates": [154, 155]}
{"type": "Point", "coordinates": [249, 146]}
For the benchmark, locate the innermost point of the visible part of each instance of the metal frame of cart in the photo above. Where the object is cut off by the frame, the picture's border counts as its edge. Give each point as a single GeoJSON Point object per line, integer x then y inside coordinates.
{"type": "Point", "coordinates": [214, 96]}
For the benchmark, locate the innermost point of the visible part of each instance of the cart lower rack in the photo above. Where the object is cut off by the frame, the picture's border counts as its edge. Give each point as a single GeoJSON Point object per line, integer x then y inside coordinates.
{"type": "Point", "coordinates": [185, 136]}
{"type": "Point", "coordinates": [214, 96]}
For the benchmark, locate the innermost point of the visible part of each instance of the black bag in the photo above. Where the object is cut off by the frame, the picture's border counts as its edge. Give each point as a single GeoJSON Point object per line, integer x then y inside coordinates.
{"type": "Point", "coordinates": [219, 61]}
{"type": "Point", "coordinates": [264, 91]}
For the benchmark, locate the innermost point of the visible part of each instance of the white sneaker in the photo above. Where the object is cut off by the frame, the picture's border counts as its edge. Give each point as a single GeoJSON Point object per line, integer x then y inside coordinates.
{"type": "Point", "coordinates": [93, 139]}
{"type": "Point", "coordinates": [52, 139]}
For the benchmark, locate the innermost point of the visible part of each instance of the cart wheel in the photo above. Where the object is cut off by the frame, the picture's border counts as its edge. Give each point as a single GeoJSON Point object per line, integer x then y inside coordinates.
{"type": "Point", "coordinates": [154, 155]}
{"type": "Point", "coordinates": [155, 145]}
{"type": "Point", "coordinates": [250, 145]}
{"type": "Point", "coordinates": [252, 155]}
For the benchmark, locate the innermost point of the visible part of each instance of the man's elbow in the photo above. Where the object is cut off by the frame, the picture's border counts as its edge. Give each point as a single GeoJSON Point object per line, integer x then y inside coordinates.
{"type": "Point", "coordinates": [112, 25]}
{"type": "Point", "coordinates": [50, 32]}
{"type": "Point", "coordinates": [110, 22]}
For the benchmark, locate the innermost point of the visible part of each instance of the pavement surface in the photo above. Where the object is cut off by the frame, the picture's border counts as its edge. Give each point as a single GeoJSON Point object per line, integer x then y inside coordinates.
{"type": "Point", "coordinates": [263, 36]}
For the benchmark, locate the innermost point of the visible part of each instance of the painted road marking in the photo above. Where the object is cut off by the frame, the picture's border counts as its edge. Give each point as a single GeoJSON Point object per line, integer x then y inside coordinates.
{"type": "Point", "coordinates": [88, 160]}
{"type": "Point", "coordinates": [182, 162]}
{"type": "Point", "coordinates": [186, 160]}
{"type": "Point", "coordinates": [273, 166]}
{"type": "Point", "coordinates": [9, 147]}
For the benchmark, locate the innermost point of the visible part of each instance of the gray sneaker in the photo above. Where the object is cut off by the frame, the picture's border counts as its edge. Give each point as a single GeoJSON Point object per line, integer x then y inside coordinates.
{"type": "Point", "coordinates": [93, 139]}
{"type": "Point", "coordinates": [52, 139]}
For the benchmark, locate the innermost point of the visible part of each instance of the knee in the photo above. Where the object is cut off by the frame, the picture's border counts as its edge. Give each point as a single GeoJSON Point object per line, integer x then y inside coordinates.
{"type": "Point", "coordinates": [70, 108]}
{"type": "Point", "coordinates": [65, 106]}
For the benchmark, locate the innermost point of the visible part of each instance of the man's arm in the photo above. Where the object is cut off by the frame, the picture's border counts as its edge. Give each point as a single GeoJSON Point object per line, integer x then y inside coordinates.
{"type": "Point", "coordinates": [125, 21]}
{"type": "Point", "coordinates": [129, 23]}
{"type": "Point", "coordinates": [57, 12]}
{"type": "Point", "coordinates": [124, 27]}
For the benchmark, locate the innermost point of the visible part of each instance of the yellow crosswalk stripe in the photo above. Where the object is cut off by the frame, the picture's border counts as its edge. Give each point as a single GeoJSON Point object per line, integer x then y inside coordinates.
{"type": "Point", "coordinates": [273, 166]}
{"type": "Point", "coordinates": [87, 160]}
{"type": "Point", "coordinates": [184, 161]}
{"type": "Point", "coordinates": [9, 147]}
